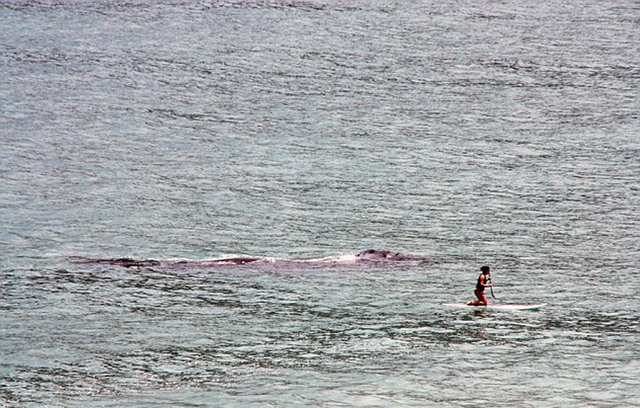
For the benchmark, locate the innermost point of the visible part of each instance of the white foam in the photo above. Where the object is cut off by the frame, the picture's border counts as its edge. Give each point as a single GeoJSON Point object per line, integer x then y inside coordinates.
{"type": "Point", "coordinates": [330, 259]}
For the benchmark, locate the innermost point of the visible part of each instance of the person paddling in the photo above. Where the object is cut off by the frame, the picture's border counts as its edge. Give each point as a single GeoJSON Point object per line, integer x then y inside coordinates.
{"type": "Point", "coordinates": [484, 281]}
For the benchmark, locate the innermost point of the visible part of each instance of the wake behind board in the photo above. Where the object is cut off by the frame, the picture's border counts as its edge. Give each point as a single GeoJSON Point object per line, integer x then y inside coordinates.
{"type": "Point", "coordinates": [496, 307]}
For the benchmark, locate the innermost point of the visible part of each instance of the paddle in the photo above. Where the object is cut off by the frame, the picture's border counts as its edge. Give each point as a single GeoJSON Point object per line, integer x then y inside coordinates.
{"type": "Point", "coordinates": [491, 287]}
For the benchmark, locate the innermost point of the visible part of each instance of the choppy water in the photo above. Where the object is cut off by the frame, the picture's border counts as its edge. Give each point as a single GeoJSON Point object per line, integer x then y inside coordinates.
{"type": "Point", "coordinates": [470, 132]}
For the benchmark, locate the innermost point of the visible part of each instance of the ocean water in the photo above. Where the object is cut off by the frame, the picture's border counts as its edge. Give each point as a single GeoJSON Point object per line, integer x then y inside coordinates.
{"type": "Point", "coordinates": [467, 132]}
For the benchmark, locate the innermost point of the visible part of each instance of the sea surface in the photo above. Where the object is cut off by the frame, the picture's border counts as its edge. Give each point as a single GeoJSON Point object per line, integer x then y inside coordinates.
{"type": "Point", "coordinates": [468, 132]}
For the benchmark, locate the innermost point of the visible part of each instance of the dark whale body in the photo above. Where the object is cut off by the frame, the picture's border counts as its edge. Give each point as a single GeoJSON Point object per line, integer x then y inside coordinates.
{"type": "Point", "coordinates": [128, 262]}
{"type": "Point", "coordinates": [379, 254]}
{"type": "Point", "coordinates": [385, 255]}
{"type": "Point", "coordinates": [364, 256]}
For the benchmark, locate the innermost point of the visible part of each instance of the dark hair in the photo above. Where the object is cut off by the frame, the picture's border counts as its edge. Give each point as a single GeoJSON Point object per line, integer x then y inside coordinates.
{"type": "Point", "coordinates": [485, 268]}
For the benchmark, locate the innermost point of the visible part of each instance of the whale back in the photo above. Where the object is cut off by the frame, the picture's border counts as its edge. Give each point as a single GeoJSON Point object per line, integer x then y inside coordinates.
{"type": "Point", "coordinates": [377, 254]}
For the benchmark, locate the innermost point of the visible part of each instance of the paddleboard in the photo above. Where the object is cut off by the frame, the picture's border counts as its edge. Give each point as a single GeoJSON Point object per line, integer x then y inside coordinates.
{"type": "Point", "coordinates": [497, 307]}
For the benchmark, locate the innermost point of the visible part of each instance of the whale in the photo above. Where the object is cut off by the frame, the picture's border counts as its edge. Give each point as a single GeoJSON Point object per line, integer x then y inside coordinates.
{"type": "Point", "coordinates": [380, 254]}
{"type": "Point", "coordinates": [368, 255]}
{"type": "Point", "coordinates": [129, 262]}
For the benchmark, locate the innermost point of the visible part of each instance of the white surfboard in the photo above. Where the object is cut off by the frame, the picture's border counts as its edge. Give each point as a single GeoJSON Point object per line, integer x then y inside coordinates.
{"type": "Point", "coordinates": [497, 307]}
